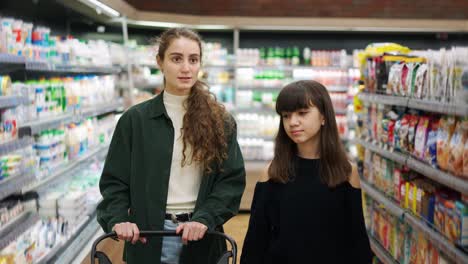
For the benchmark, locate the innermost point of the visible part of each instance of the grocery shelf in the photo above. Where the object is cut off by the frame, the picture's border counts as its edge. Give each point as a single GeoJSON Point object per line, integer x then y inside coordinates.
{"type": "Point", "coordinates": [445, 178]}
{"type": "Point", "coordinates": [13, 145]}
{"type": "Point", "coordinates": [460, 109]}
{"type": "Point", "coordinates": [34, 127]}
{"type": "Point", "coordinates": [12, 62]}
{"type": "Point", "coordinates": [16, 227]}
{"type": "Point", "coordinates": [214, 66]}
{"type": "Point", "coordinates": [262, 88]}
{"type": "Point", "coordinates": [380, 252]}
{"type": "Point", "coordinates": [71, 165]}
{"type": "Point", "coordinates": [390, 206]}
{"type": "Point", "coordinates": [437, 240]}
{"type": "Point", "coordinates": [291, 67]}
{"type": "Point", "coordinates": [44, 66]}
{"type": "Point", "coordinates": [449, 108]}
{"type": "Point", "coordinates": [266, 138]}
{"type": "Point", "coordinates": [252, 110]}
{"type": "Point", "coordinates": [442, 177]}
{"type": "Point", "coordinates": [337, 89]}
{"type": "Point", "coordinates": [341, 111]}
{"type": "Point", "coordinates": [102, 109]}
{"type": "Point", "coordinates": [13, 59]}
{"type": "Point", "coordinates": [15, 184]}
{"type": "Point", "coordinates": [67, 251]}
{"type": "Point", "coordinates": [395, 156]}
{"type": "Point", "coordinates": [433, 236]}
{"type": "Point", "coordinates": [11, 101]}
{"type": "Point", "coordinates": [384, 99]}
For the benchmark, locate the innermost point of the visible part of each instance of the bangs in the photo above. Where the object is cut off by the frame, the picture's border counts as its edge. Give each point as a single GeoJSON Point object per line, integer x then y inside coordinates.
{"type": "Point", "coordinates": [293, 97]}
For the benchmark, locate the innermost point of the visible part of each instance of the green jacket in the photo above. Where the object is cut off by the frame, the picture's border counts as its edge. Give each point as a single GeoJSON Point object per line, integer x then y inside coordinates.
{"type": "Point", "coordinates": [136, 177]}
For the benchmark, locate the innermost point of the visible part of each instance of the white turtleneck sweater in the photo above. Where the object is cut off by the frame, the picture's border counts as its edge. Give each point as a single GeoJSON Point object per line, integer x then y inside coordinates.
{"type": "Point", "coordinates": [184, 182]}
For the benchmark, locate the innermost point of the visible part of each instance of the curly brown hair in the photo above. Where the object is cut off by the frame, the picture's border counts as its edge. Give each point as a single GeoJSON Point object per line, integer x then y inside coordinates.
{"type": "Point", "coordinates": [206, 122]}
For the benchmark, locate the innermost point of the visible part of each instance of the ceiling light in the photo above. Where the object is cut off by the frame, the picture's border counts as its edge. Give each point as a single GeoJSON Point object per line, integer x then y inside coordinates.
{"type": "Point", "coordinates": [104, 8]}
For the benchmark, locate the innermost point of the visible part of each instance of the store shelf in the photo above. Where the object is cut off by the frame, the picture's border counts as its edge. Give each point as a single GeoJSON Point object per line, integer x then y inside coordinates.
{"type": "Point", "coordinates": [11, 101]}
{"type": "Point", "coordinates": [445, 178]}
{"type": "Point", "coordinates": [35, 127]}
{"type": "Point", "coordinates": [44, 66]}
{"type": "Point", "coordinates": [437, 240]}
{"type": "Point", "coordinates": [214, 66]}
{"type": "Point", "coordinates": [395, 156]}
{"type": "Point", "coordinates": [10, 63]}
{"type": "Point", "coordinates": [99, 110]}
{"type": "Point", "coordinates": [380, 252]}
{"type": "Point", "coordinates": [390, 206]}
{"type": "Point", "coordinates": [254, 110]}
{"type": "Point", "coordinates": [66, 168]}
{"type": "Point", "coordinates": [262, 88]}
{"type": "Point", "coordinates": [442, 177]}
{"type": "Point", "coordinates": [66, 252]}
{"type": "Point", "coordinates": [15, 228]}
{"type": "Point", "coordinates": [291, 67]}
{"type": "Point", "coordinates": [384, 99]}
{"type": "Point", "coordinates": [266, 138]}
{"type": "Point", "coordinates": [425, 105]}
{"type": "Point", "coordinates": [337, 89]}
{"type": "Point", "coordinates": [13, 145]}
{"type": "Point", "coordinates": [437, 107]}
{"type": "Point", "coordinates": [339, 111]}
{"type": "Point", "coordinates": [433, 236]}
{"type": "Point", "coordinates": [15, 184]}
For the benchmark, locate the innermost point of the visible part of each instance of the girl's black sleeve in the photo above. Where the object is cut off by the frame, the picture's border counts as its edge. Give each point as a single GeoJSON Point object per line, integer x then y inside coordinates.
{"type": "Point", "coordinates": [258, 233]}
{"type": "Point", "coordinates": [359, 248]}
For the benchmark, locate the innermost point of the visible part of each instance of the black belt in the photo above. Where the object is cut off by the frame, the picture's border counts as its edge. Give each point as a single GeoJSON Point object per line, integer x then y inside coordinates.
{"type": "Point", "coordinates": [176, 218]}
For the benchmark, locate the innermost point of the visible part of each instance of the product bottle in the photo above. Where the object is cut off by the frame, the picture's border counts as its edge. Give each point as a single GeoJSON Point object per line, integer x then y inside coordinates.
{"type": "Point", "coordinates": [306, 55]}
{"type": "Point", "coordinates": [295, 58]}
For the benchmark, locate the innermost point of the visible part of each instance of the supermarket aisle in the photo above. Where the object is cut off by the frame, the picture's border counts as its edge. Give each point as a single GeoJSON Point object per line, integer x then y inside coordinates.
{"type": "Point", "coordinates": [236, 228]}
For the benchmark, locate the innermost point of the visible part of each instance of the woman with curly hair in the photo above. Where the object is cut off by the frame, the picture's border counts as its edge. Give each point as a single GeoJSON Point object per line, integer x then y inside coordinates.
{"type": "Point", "coordinates": [173, 164]}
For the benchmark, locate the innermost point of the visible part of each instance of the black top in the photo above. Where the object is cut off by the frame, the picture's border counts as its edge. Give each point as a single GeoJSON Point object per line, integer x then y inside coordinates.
{"type": "Point", "coordinates": [305, 221]}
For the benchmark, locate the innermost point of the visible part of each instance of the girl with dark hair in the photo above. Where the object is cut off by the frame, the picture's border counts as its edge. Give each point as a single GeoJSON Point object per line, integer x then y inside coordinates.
{"type": "Point", "coordinates": [307, 207]}
{"type": "Point", "coordinates": [173, 164]}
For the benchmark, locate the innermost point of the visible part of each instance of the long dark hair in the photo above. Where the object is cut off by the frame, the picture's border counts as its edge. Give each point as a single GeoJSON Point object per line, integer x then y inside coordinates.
{"type": "Point", "coordinates": [335, 167]}
{"type": "Point", "coordinates": [204, 125]}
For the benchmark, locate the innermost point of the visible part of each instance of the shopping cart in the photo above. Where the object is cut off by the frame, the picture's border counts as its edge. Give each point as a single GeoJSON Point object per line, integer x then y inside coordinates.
{"type": "Point", "coordinates": [224, 259]}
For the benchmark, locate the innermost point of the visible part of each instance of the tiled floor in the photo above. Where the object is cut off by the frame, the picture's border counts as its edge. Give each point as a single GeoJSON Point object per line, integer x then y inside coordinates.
{"type": "Point", "coordinates": [236, 228]}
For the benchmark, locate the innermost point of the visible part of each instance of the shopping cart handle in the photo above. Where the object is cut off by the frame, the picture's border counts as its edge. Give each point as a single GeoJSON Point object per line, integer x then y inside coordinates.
{"type": "Point", "coordinates": [113, 235]}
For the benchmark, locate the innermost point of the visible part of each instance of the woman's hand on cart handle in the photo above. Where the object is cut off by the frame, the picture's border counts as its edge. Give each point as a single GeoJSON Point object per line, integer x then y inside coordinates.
{"type": "Point", "coordinates": [192, 231]}
{"type": "Point", "coordinates": [129, 232]}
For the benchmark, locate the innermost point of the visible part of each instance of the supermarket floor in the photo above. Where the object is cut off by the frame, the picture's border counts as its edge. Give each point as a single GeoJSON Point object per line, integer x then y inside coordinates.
{"type": "Point", "coordinates": [236, 228]}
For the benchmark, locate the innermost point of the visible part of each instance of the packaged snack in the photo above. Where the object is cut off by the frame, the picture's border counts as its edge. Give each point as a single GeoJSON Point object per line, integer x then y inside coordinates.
{"type": "Point", "coordinates": [461, 211]}
{"type": "Point", "coordinates": [421, 82]}
{"type": "Point", "coordinates": [396, 134]}
{"type": "Point", "coordinates": [409, 79]}
{"type": "Point", "coordinates": [402, 143]}
{"type": "Point", "coordinates": [403, 84]}
{"type": "Point", "coordinates": [401, 231]}
{"type": "Point", "coordinates": [452, 223]}
{"type": "Point", "coordinates": [421, 137]}
{"type": "Point", "coordinates": [430, 155]}
{"type": "Point", "coordinates": [456, 148]}
{"type": "Point", "coordinates": [394, 79]}
{"type": "Point", "coordinates": [423, 248]}
{"type": "Point", "coordinates": [444, 135]}
{"type": "Point", "coordinates": [391, 135]}
{"type": "Point", "coordinates": [412, 81]}
{"type": "Point", "coordinates": [413, 124]}
{"type": "Point", "coordinates": [439, 213]}
{"type": "Point", "coordinates": [465, 160]}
